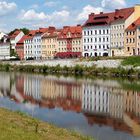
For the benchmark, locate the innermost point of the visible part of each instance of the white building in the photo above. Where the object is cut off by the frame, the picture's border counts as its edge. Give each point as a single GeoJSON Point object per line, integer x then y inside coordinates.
{"type": "Point", "coordinates": [4, 48]}
{"type": "Point", "coordinates": [96, 41]}
{"type": "Point", "coordinates": [37, 48]}
{"type": "Point", "coordinates": [2, 34]}
{"type": "Point", "coordinates": [15, 37]}
{"type": "Point", "coordinates": [96, 35]}
{"type": "Point", "coordinates": [32, 44]}
{"type": "Point", "coordinates": [28, 46]}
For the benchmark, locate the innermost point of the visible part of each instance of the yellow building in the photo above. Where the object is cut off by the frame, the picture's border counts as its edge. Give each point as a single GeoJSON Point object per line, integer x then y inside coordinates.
{"type": "Point", "coordinates": [132, 39]}
{"type": "Point", "coordinates": [49, 43]}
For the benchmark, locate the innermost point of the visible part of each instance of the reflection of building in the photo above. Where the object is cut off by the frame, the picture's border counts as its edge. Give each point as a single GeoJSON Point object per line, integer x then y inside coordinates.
{"type": "Point", "coordinates": [64, 94]}
{"type": "Point", "coordinates": [103, 102]}
{"type": "Point", "coordinates": [121, 107]}
{"type": "Point", "coordinates": [95, 99]}
{"type": "Point", "coordinates": [4, 83]}
{"type": "Point", "coordinates": [32, 86]}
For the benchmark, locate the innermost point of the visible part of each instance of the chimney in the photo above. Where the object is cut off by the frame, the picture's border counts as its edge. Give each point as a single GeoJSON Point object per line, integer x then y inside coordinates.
{"type": "Point", "coordinates": [116, 10]}
{"type": "Point", "coordinates": [78, 25]}
{"type": "Point", "coordinates": [91, 15]}
{"type": "Point", "coordinates": [101, 12]}
{"type": "Point", "coordinates": [66, 27]}
{"type": "Point", "coordinates": [51, 28]}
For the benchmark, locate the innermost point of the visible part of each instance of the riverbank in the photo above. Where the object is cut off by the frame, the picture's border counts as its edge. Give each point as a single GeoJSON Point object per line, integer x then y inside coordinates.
{"type": "Point", "coordinates": [104, 68]}
{"type": "Point", "coordinates": [78, 70]}
{"type": "Point", "coordinates": [18, 126]}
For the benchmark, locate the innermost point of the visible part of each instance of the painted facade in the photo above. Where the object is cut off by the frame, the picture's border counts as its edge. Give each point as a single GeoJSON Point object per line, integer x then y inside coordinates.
{"type": "Point", "coordinates": [70, 42]}
{"type": "Point", "coordinates": [132, 39]}
{"type": "Point", "coordinates": [50, 43]}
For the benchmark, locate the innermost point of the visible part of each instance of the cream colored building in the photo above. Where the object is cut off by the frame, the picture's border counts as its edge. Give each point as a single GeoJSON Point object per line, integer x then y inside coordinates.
{"type": "Point", "coordinates": [49, 44]}
{"type": "Point", "coordinates": [129, 15]}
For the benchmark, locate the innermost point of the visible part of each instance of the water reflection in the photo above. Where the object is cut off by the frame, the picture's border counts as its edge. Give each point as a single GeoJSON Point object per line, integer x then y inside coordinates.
{"type": "Point", "coordinates": [105, 109]}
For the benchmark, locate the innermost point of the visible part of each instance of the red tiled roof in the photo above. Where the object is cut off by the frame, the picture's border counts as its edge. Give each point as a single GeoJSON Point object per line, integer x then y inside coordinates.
{"type": "Point", "coordinates": [134, 25]}
{"type": "Point", "coordinates": [15, 34]}
{"type": "Point", "coordinates": [75, 32]}
{"type": "Point", "coordinates": [21, 41]}
{"type": "Point", "coordinates": [51, 33]}
{"type": "Point", "coordinates": [108, 18]}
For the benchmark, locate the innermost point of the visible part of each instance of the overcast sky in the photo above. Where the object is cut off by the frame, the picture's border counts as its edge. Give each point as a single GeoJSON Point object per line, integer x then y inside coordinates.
{"type": "Point", "coordinates": [43, 13]}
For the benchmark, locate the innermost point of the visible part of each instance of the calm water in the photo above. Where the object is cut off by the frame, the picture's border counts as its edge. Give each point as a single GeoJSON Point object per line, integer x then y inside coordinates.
{"type": "Point", "coordinates": [105, 109]}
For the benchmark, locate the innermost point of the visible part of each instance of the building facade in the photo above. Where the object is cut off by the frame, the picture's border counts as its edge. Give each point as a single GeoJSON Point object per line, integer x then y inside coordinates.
{"type": "Point", "coordinates": [70, 42]}
{"type": "Point", "coordinates": [103, 34]}
{"type": "Point", "coordinates": [123, 19]}
{"type": "Point", "coordinates": [132, 39]}
{"type": "Point", "coordinates": [50, 43]}
{"type": "Point", "coordinates": [5, 48]}
{"type": "Point", "coordinates": [20, 47]}
{"type": "Point", "coordinates": [15, 37]}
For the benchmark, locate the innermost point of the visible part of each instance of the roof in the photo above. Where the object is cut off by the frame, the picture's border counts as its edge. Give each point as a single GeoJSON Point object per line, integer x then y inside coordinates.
{"type": "Point", "coordinates": [21, 41]}
{"type": "Point", "coordinates": [108, 18]}
{"type": "Point", "coordinates": [52, 33]}
{"type": "Point", "coordinates": [15, 34]}
{"type": "Point", "coordinates": [71, 32]}
{"type": "Point", "coordinates": [134, 25]}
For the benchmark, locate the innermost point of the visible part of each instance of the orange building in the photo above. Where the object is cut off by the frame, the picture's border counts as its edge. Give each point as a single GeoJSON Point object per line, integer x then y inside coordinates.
{"type": "Point", "coordinates": [132, 39]}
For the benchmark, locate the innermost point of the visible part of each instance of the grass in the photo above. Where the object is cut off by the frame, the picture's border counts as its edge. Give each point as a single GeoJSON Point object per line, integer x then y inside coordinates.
{"type": "Point", "coordinates": [19, 126]}
{"type": "Point", "coordinates": [133, 61]}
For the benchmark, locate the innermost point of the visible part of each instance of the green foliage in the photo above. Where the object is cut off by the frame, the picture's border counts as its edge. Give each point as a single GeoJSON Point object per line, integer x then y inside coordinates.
{"type": "Point", "coordinates": [25, 30]}
{"type": "Point", "coordinates": [133, 61]}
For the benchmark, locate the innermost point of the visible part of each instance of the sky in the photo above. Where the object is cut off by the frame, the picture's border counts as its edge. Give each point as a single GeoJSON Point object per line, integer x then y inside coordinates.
{"type": "Point", "coordinates": [33, 14]}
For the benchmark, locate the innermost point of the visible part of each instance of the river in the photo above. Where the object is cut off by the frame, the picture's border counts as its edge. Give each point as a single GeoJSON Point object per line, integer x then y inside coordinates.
{"type": "Point", "coordinates": [106, 109]}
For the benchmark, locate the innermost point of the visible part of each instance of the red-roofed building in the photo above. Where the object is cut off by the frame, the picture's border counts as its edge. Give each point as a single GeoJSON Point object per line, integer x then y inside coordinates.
{"type": "Point", "coordinates": [70, 42]}
{"type": "Point", "coordinates": [103, 34]}
{"type": "Point", "coordinates": [32, 44]}
{"type": "Point", "coordinates": [20, 47]}
{"type": "Point", "coordinates": [15, 37]}
{"type": "Point", "coordinates": [132, 39]}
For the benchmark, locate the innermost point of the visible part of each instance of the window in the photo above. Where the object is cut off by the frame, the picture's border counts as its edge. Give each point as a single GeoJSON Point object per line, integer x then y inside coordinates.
{"type": "Point", "coordinates": [107, 31]}
{"type": "Point", "coordinates": [107, 39]}
{"type": "Point", "coordinates": [95, 39]}
{"type": "Point", "coordinates": [100, 32]}
{"type": "Point", "coordinates": [91, 32]}
{"type": "Point", "coordinates": [95, 32]}
{"type": "Point", "coordinates": [127, 40]}
{"type": "Point", "coordinates": [84, 32]}
{"type": "Point", "coordinates": [128, 49]}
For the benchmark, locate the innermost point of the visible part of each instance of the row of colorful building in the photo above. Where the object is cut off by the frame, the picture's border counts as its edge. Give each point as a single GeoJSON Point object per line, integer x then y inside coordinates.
{"type": "Point", "coordinates": [106, 34]}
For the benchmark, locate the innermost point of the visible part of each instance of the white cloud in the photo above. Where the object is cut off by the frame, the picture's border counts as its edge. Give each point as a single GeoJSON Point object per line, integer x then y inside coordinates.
{"type": "Point", "coordinates": [87, 10]}
{"type": "Point", "coordinates": [34, 6]}
{"type": "Point", "coordinates": [6, 8]}
{"type": "Point", "coordinates": [113, 4]}
{"type": "Point", "coordinates": [50, 3]}
{"type": "Point", "coordinates": [32, 15]}
{"type": "Point", "coordinates": [38, 19]}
